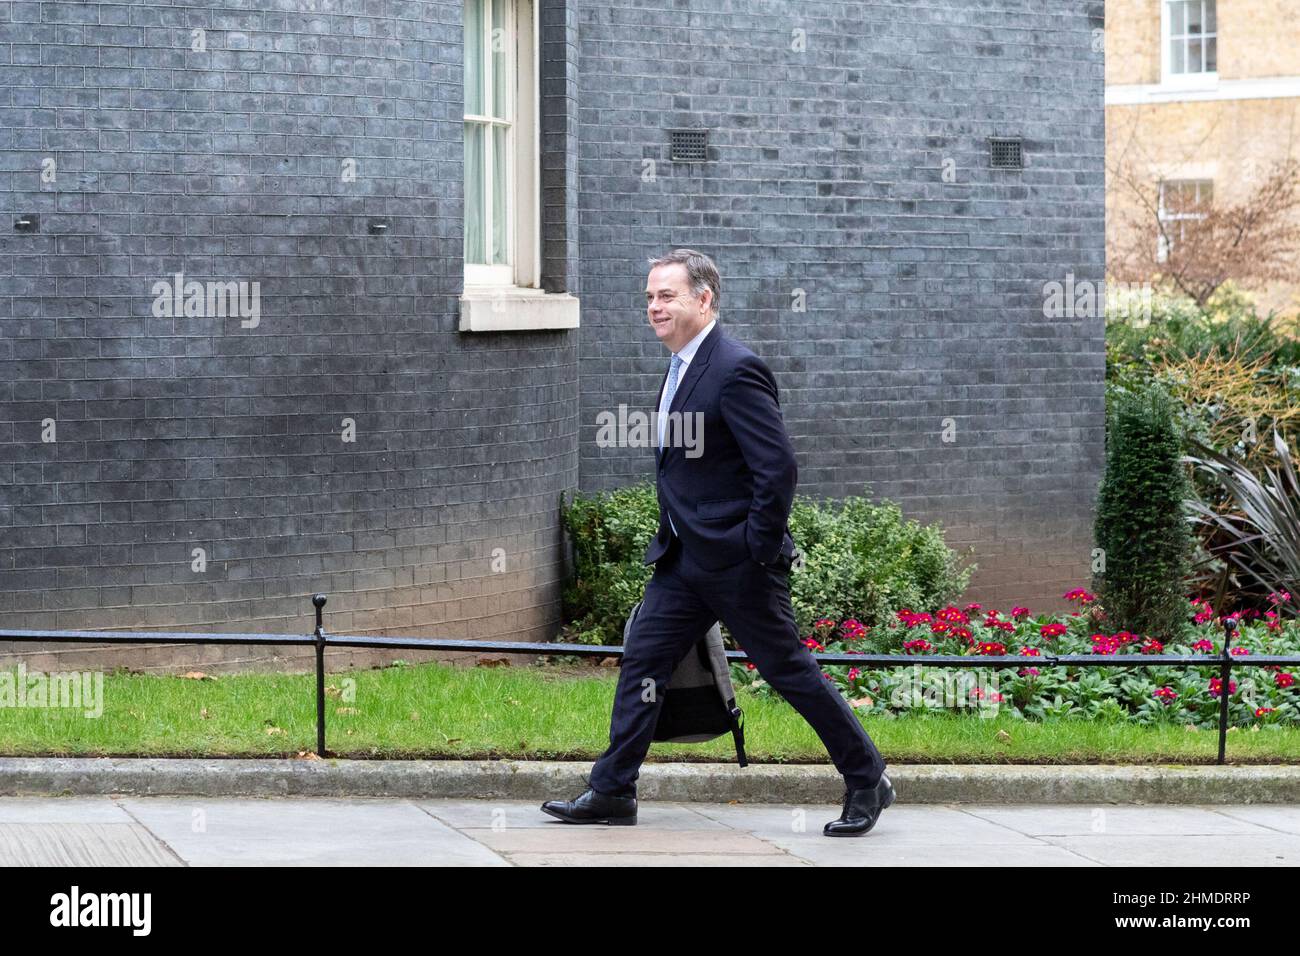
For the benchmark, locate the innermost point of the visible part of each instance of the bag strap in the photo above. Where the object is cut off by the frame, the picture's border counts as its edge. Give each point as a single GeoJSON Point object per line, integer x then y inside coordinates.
{"type": "Point", "coordinates": [737, 719]}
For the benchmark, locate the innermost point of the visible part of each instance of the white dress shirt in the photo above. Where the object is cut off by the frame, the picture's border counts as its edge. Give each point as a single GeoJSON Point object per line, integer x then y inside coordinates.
{"type": "Point", "coordinates": [685, 353]}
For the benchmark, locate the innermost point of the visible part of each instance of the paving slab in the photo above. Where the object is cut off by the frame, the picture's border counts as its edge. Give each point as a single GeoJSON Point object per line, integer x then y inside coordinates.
{"type": "Point", "coordinates": [654, 859]}
{"type": "Point", "coordinates": [268, 832]}
{"type": "Point", "coordinates": [81, 845]}
{"type": "Point", "coordinates": [898, 824]}
{"type": "Point", "coordinates": [1279, 818]}
{"type": "Point", "coordinates": [1229, 851]}
{"type": "Point", "coordinates": [1116, 820]}
{"type": "Point", "coordinates": [62, 810]}
{"type": "Point", "coordinates": [478, 814]}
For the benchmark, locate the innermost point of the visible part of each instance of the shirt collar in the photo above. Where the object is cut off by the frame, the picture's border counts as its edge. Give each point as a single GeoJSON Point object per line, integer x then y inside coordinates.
{"type": "Point", "coordinates": [687, 351]}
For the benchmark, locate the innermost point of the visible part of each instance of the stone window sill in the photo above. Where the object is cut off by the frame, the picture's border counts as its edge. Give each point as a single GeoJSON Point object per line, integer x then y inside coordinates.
{"type": "Point", "coordinates": [509, 308]}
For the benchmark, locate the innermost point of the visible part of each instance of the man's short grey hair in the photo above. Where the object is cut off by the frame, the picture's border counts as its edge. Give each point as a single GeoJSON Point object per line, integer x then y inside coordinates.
{"type": "Point", "coordinates": [701, 273]}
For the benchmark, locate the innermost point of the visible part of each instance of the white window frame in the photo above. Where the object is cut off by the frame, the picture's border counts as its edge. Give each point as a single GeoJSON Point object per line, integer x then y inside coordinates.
{"type": "Point", "coordinates": [523, 232]}
{"type": "Point", "coordinates": [499, 297]}
{"type": "Point", "coordinates": [1163, 246]}
{"type": "Point", "coordinates": [1183, 81]}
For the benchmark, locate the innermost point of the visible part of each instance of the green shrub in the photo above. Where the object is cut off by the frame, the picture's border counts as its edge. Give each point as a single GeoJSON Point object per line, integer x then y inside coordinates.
{"type": "Point", "coordinates": [1140, 526]}
{"type": "Point", "coordinates": [1228, 326]}
{"type": "Point", "coordinates": [863, 560]}
{"type": "Point", "coordinates": [608, 533]}
{"type": "Point", "coordinates": [860, 560]}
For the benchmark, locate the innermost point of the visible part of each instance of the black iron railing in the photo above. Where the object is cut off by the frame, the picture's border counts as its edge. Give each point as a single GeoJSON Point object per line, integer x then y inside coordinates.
{"type": "Point", "coordinates": [320, 640]}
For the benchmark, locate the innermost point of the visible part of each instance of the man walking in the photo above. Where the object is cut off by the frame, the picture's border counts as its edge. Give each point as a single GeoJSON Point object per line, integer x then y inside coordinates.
{"type": "Point", "coordinates": [723, 552]}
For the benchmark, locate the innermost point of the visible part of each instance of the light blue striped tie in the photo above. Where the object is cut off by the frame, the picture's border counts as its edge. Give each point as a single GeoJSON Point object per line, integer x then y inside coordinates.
{"type": "Point", "coordinates": [668, 397]}
{"type": "Point", "coordinates": [663, 417]}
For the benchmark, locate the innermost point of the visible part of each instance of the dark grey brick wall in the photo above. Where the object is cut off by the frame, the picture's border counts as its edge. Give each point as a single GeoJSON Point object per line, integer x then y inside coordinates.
{"type": "Point", "coordinates": [924, 297]}
{"type": "Point", "coordinates": [175, 434]}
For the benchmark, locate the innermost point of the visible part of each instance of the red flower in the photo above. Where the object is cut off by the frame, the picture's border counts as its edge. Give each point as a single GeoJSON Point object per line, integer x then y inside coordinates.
{"type": "Point", "coordinates": [992, 648]}
{"type": "Point", "coordinates": [1283, 680]}
{"type": "Point", "coordinates": [1239, 651]}
{"type": "Point", "coordinates": [1030, 652]}
{"type": "Point", "coordinates": [1079, 594]}
{"type": "Point", "coordinates": [1104, 644]}
{"type": "Point", "coordinates": [1204, 645]}
{"type": "Point", "coordinates": [951, 613]}
{"type": "Point", "coordinates": [1216, 687]}
{"type": "Point", "coordinates": [912, 647]}
{"type": "Point", "coordinates": [1052, 630]}
{"type": "Point", "coordinates": [1261, 711]}
{"type": "Point", "coordinates": [1166, 694]}
{"type": "Point", "coordinates": [1028, 672]}
{"type": "Point", "coordinates": [1019, 611]}
{"type": "Point", "coordinates": [1152, 646]}
{"type": "Point", "coordinates": [854, 673]}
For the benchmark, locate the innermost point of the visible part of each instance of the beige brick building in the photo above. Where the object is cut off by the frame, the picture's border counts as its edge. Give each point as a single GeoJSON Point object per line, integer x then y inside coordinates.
{"type": "Point", "coordinates": [1202, 96]}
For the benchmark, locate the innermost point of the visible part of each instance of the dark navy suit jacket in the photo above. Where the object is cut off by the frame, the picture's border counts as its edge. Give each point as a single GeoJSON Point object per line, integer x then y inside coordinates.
{"type": "Point", "coordinates": [733, 501]}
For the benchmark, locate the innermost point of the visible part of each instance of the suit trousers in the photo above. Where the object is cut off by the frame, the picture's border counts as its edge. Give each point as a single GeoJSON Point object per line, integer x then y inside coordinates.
{"type": "Point", "coordinates": [683, 600]}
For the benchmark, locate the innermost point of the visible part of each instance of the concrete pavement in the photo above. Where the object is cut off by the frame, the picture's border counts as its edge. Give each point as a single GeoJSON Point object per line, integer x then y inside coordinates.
{"type": "Point", "coordinates": [357, 831]}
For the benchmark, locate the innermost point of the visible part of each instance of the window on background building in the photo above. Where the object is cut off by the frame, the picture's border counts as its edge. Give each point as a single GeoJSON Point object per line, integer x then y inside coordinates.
{"type": "Point", "coordinates": [1190, 30]}
{"type": "Point", "coordinates": [501, 166]}
{"type": "Point", "coordinates": [1181, 201]}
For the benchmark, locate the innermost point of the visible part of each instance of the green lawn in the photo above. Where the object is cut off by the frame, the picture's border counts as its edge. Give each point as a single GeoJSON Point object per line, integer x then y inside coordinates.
{"type": "Point", "coordinates": [433, 710]}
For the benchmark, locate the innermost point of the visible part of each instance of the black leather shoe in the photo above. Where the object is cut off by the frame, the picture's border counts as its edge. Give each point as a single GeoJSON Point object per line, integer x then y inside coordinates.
{"type": "Point", "coordinates": [862, 807]}
{"type": "Point", "coordinates": [593, 807]}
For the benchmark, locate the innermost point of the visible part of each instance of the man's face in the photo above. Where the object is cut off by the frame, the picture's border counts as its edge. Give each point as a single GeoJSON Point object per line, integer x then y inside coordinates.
{"type": "Point", "coordinates": [675, 314]}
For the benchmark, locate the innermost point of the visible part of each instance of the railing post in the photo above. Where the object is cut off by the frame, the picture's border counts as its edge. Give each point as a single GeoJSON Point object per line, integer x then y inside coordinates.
{"type": "Point", "coordinates": [319, 601]}
{"type": "Point", "coordinates": [1225, 684]}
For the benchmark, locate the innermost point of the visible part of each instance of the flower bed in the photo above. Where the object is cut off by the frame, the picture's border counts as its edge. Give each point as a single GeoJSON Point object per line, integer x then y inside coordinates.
{"type": "Point", "coordinates": [1259, 697]}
